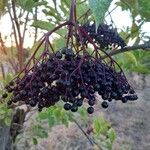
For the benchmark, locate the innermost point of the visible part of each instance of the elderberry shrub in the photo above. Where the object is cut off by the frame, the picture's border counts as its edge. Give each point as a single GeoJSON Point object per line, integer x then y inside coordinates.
{"type": "Point", "coordinates": [105, 36]}
{"type": "Point", "coordinates": [72, 78]}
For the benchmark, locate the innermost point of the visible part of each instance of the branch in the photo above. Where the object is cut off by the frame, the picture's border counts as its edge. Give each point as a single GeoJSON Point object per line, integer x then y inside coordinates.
{"type": "Point", "coordinates": [145, 47]}
{"type": "Point", "coordinates": [35, 19]}
{"type": "Point", "coordinates": [2, 45]}
{"type": "Point", "coordinates": [20, 50]}
{"type": "Point", "coordinates": [25, 25]}
{"type": "Point", "coordinates": [92, 142]}
{"type": "Point", "coordinates": [14, 28]}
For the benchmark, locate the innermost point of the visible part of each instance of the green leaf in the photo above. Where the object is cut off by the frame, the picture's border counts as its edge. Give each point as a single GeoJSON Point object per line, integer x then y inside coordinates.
{"type": "Point", "coordinates": [52, 12]}
{"type": "Point", "coordinates": [99, 8]}
{"type": "Point", "coordinates": [51, 121]}
{"type": "Point", "coordinates": [83, 114]}
{"type": "Point", "coordinates": [3, 4]}
{"type": "Point", "coordinates": [111, 134]}
{"type": "Point", "coordinates": [26, 4]}
{"type": "Point", "coordinates": [7, 121]}
{"type": "Point", "coordinates": [59, 43]}
{"type": "Point", "coordinates": [2, 112]}
{"type": "Point", "coordinates": [43, 25]}
{"type": "Point", "coordinates": [107, 144]}
{"type": "Point", "coordinates": [65, 121]}
{"type": "Point", "coordinates": [29, 4]}
{"type": "Point", "coordinates": [131, 58]}
{"type": "Point", "coordinates": [2, 116]}
{"type": "Point", "coordinates": [43, 115]}
{"type": "Point", "coordinates": [57, 113]}
{"type": "Point", "coordinates": [34, 140]}
{"type": "Point", "coordinates": [82, 8]}
{"type": "Point", "coordinates": [131, 5]}
{"type": "Point", "coordinates": [144, 9]}
{"type": "Point", "coordinates": [7, 79]}
{"type": "Point", "coordinates": [39, 4]}
{"type": "Point", "coordinates": [100, 126]}
{"type": "Point", "coordinates": [39, 131]}
{"type": "Point", "coordinates": [140, 68]}
{"type": "Point", "coordinates": [134, 30]}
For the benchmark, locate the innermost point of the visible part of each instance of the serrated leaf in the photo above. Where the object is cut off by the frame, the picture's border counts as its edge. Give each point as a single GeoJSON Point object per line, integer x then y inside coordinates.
{"type": "Point", "coordinates": [99, 8]}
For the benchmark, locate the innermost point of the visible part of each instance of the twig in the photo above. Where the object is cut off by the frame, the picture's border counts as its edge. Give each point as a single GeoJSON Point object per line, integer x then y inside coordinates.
{"type": "Point", "coordinates": [25, 25]}
{"type": "Point", "coordinates": [20, 50]}
{"type": "Point", "coordinates": [14, 28]}
{"type": "Point", "coordinates": [35, 19]}
{"type": "Point", "coordinates": [3, 71]}
{"type": "Point", "coordinates": [91, 142]}
{"type": "Point", "coordinates": [145, 47]}
{"type": "Point", "coordinates": [2, 45]}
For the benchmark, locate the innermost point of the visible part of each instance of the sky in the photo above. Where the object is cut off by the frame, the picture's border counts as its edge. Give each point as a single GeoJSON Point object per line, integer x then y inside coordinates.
{"type": "Point", "coordinates": [121, 19]}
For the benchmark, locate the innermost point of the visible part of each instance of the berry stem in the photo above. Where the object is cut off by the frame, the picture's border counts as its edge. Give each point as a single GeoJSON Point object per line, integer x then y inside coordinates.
{"type": "Point", "coordinates": [95, 48]}
{"type": "Point", "coordinates": [72, 19]}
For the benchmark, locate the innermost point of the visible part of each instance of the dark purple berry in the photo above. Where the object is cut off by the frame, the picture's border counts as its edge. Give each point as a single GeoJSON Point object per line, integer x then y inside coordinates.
{"type": "Point", "coordinates": [104, 104]}
{"type": "Point", "coordinates": [4, 95]}
{"type": "Point", "coordinates": [90, 110]}
{"type": "Point", "coordinates": [67, 106]}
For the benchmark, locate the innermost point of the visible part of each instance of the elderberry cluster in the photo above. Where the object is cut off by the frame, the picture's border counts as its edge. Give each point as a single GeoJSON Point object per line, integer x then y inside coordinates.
{"type": "Point", "coordinates": [72, 78]}
{"type": "Point", "coordinates": [105, 36]}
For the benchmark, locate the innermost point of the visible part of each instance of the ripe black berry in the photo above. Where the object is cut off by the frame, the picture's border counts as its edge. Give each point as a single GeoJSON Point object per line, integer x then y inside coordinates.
{"type": "Point", "coordinates": [9, 103]}
{"type": "Point", "coordinates": [90, 110]}
{"type": "Point", "coordinates": [67, 106]}
{"type": "Point", "coordinates": [104, 104]}
{"type": "Point", "coordinates": [124, 99]}
{"type": "Point", "coordinates": [79, 102]}
{"type": "Point", "coordinates": [4, 95]}
{"type": "Point", "coordinates": [74, 108]}
{"type": "Point", "coordinates": [58, 55]}
{"type": "Point", "coordinates": [91, 102]}
{"type": "Point", "coordinates": [72, 74]}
